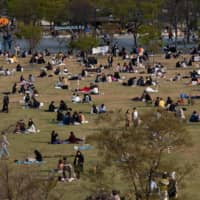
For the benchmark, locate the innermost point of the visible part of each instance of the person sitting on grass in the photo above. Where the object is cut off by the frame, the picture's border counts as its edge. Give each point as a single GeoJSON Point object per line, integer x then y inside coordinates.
{"type": "Point", "coordinates": [194, 117]}
{"type": "Point", "coordinates": [72, 139]}
{"type": "Point", "coordinates": [87, 98]}
{"type": "Point", "coordinates": [76, 118]}
{"type": "Point", "coordinates": [35, 103]}
{"type": "Point", "coordinates": [67, 119]}
{"type": "Point", "coordinates": [52, 107]}
{"type": "Point", "coordinates": [76, 98]}
{"type": "Point", "coordinates": [43, 73]}
{"type": "Point", "coordinates": [65, 83]}
{"type": "Point", "coordinates": [31, 127]}
{"type": "Point", "coordinates": [146, 97]}
{"type": "Point", "coordinates": [82, 118]}
{"type": "Point", "coordinates": [54, 138]}
{"type": "Point", "coordinates": [94, 109]}
{"type": "Point", "coordinates": [38, 158]}
{"type": "Point", "coordinates": [19, 68]}
{"type": "Point", "coordinates": [20, 127]}
{"type": "Point", "coordinates": [60, 115]}
{"type": "Point", "coordinates": [102, 108]}
{"type": "Point", "coordinates": [63, 106]}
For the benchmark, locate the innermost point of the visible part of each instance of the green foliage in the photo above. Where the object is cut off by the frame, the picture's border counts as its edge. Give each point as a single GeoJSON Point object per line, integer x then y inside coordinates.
{"type": "Point", "coordinates": [81, 11]}
{"type": "Point", "coordinates": [31, 33]}
{"type": "Point", "coordinates": [25, 10]}
{"type": "Point", "coordinates": [54, 10]}
{"type": "Point", "coordinates": [84, 42]}
{"type": "Point", "coordinates": [30, 11]}
{"type": "Point", "coordinates": [150, 37]}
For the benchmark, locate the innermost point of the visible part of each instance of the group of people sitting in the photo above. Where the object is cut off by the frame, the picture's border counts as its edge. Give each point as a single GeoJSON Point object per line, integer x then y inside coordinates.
{"type": "Point", "coordinates": [184, 63]}
{"type": "Point", "coordinates": [5, 72]}
{"type": "Point", "coordinates": [76, 98]}
{"type": "Point", "coordinates": [30, 101]}
{"type": "Point", "coordinates": [141, 81]}
{"type": "Point", "coordinates": [98, 109]}
{"type": "Point", "coordinates": [23, 129]}
{"type": "Point", "coordinates": [62, 107]}
{"type": "Point", "coordinates": [157, 70]}
{"type": "Point", "coordinates": [25, 86]}
{"type": "Point", "coordinates": [107, 78]}
{"type": "Point", "coordinates": [37, 58]}
{"type": "Point", "coordinates": [72, 139]}
{"type": "Point", "coordinates": [77, 118]}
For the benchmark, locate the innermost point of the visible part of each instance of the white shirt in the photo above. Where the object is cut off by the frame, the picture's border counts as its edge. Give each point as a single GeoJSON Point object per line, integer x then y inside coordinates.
{"type": "Point", "coordinates": [135, 115]}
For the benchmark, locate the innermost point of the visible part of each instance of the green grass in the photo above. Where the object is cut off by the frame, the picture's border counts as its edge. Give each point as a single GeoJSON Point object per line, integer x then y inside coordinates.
{"type": "Point", "coordinates": [114, 95]}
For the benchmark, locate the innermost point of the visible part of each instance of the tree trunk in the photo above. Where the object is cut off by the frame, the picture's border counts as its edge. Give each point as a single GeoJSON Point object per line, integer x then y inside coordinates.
{"type": "Point", "coordinates": [135, 39]}
{"type": "Point", "coordinates": [176, 31]}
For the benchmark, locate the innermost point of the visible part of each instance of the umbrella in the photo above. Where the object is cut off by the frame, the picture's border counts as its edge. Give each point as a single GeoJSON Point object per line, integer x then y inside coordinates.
{"type": "Point", "coordinates": [4, 21]}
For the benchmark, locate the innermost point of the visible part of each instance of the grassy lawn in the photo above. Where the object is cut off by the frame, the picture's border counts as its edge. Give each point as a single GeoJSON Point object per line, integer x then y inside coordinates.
{"type": "Point", "coordinates": [113, 95]}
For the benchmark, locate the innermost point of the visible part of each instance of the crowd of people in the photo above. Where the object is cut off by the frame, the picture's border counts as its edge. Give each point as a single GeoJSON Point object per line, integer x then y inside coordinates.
{"type": "Point", "coordinates": [145, 75]}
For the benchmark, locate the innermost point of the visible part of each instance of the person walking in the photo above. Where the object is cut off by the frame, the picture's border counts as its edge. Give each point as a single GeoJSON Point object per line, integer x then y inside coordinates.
{"type": "Point", "coordinates": [5, 103]}
{"type": "Point", "coordinates": [3, 145]}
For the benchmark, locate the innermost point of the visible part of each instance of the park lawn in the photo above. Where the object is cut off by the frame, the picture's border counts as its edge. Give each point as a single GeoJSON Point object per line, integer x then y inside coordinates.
{"type": "Point", "coordinates": [113, 95]}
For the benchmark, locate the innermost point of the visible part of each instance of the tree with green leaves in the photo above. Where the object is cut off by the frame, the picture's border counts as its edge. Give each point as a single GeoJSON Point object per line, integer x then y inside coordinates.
{"type": "Point", "coordinates": [139, 154]}
{"type": "Point", "coordinates": [32, 34]}
{"type": "Point", "coordinates": [150, 38]}
{"type": "Point", "coordinates": [80, 12]}
{"type": "Point", "coordinates": [134, 13]}
{"type": "Point", "coordinates": [25, 11]}
{"type": "Point", "coordinates": [84, 43]}
{"type": "Point", "coordinates": [55, 11]}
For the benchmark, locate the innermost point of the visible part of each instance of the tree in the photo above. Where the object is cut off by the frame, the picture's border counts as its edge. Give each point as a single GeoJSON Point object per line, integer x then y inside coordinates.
{"type": "Point", "coordinates": [30, 33]}
{"type": "Point", "coordinates": [25, 11]}
{"type": "Point", "coordinates": [55, 11]}
{"type": "Point", "coordinates": [85, 11]}
{"type": "Point", "coordinates": [2, 6]}
{"type": "Point", "coordinates": [140, 153]}
{"type": "Point", "coordinates": [26, 184]}
{"type": "Point", "coordinates": [181, 13]}
{"type": "Point", "coordinates": [133, 13]}
{"type": "Point", "coordinates": [84, 43]}
{"type": "Point", "coordinates": [150, 38]}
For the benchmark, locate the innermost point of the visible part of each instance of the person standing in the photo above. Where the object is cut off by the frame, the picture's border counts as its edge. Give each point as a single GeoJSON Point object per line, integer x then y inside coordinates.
{"type": "Point", "coordinates": [5, 103]}
{"type": "Point", "coordinates": [78, 163]}
{"type": "Point", "coordinates": [135, 117]}
{"type": "Point", "coordinates": [3, 145]}
{"type": "Point", "coordinates": [172, 187]}
{"type": "Point", "coordinates": [128, 118]}
{"type": "Point", "coordinates": [163, 187]}
{"type": "Point", "coordinates": [110, 61]}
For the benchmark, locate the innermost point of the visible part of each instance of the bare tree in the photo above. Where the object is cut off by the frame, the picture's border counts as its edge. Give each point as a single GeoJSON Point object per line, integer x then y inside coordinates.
{"type": "Point", "coordinates": [139, 153]}
{"type": "Point", "coordinates": [26, 184]}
